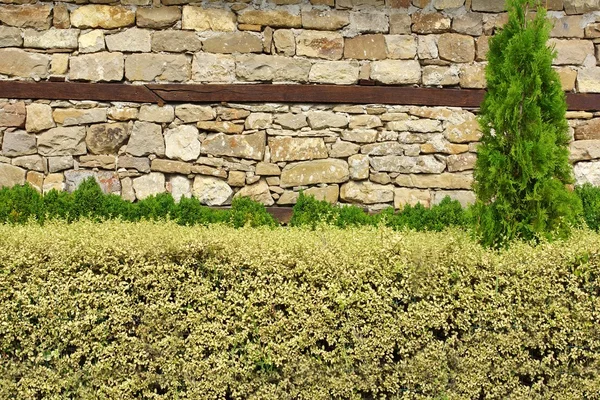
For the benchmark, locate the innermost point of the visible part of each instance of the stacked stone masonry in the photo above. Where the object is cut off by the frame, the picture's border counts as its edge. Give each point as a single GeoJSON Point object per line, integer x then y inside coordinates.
{"type": "Point", "coordinates": [372, 155]}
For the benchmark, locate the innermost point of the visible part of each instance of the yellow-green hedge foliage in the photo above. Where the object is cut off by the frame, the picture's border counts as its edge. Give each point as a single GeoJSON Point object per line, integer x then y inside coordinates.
{"type": "Point", "coordinates": [154, 310]}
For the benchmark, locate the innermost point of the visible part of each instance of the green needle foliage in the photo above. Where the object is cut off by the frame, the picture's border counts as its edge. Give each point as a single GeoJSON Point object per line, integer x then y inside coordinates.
{"type": "Point", "coordinates": [522, 168]}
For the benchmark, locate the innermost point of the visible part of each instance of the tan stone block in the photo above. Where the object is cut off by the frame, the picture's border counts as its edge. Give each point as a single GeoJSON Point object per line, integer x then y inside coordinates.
{"type": "Point", "coordinates": [272, 18]}
{"type": "Point", "coordinates": [444, 4]}
{"type": "Point", "coordinates": [461, 162]}
{"type": "Point", "coordinates": [62, 141]}
{"type": "Point", "coordinates": [101, 161]}
{"type": "Point", "coordinates": [366, 47]}
{"type": "Point", "coordinates": [249, 27]}
{"type": "Point", "coordinates": [230, 114]}
{"type": "Point", "coordinates": [91, 42]}
{"type": "Point", "coordinates": [208, 19]}
{"type": "Point", "coordinates": [568, 76]}
{"type": "Point", "coordinates": [243, 146]}
{"type": "Point", "coordinates": [325, 20]}
{"type": "Point", "coordinates": [364, 121]}
{"type": "Point", "coordinates": [236, 178]}
{"type": "Point", "coordinates": [400, 24]}
{"type": "Point", "coordinates": [427, 164]}
{"type": "Point", "coordinates": [156, 113]}
{"type": "Point", "coordinates": [19, 63]}
{"type": "Point", "coordinates": [157, 67]}
{"type": "Point", "coordinates": [258, 121]}
{"type": "Point", "coordinates": [588, 131]}
{"type": "Point", "coordinates": [334, 72]}
{"type": "Point", "coordinates": [314, 172]}
{"type": "Point", "coordinates": [581, 6]}
{"type": "Point", "coordinates": [567, 27]}
{"type": "Point", "coordinates": [213, 68]}
{"type": "Point", "coordinates": [39, 118]}
{"type": "Point", "coordinates": [262, 67]}
{"type": "Point", "coordinates": [157, 17]}
{"type": "Point", "coordinates": [468, 24]}
{"type": "Point", "coordinates": [26, 16]}
{"type": "Point", "coordinates": [436, 75]}
{"type": "Point", "coordinates": [220, 126]}
{"type": "Point", "coordinates": [472, 76]}
{"type": "Point", "coordinates": [368, 22]}
{"type": "Point", "coordinates": [412, 197]}
{"type": "Point", "coordinates": [18, 143]}
{"type": "Point", "coordinates": [318, 44]}
{"type": "Point", "coordinates": [383, 149]}
{"type": "Point", "coordinates": [396, 72]}
{"type": "Point", "coordinates": [482, 45]}
{"type": "Point", "coordinates": [401, 46]}
{"type": "Point", "coordinates": [60, 16]}
{"type": "Point", "coordinates": [581, 150]}
{"type": "Point", "coordinates": [342, 149]}
{"type": "Point", "coordinates": [285, 42]}
{"type": "Point", "coordinates": [106, 138]}
{"type": "Point", "coordinates": [445, 180]}
{"type": "Point", "coordinates": [11, 175]}
{"type": "Point", "coordinates": [141, 164]}
{"type": "Point", "coordinates": [258, 192]}
{"type": "Point", "coordinates": [171, 167]}
{"type": "Point", "coordinates": [592, 30]}
{"type": "Point", "coordinates": [296, 149]}
{"type": "Point", "coordinates": [101, 67]}
{"type": "Point", "coordinates": [291, 121]}
{"type": "Point", "coordinates": [366, 193]}
{"type": "Point", "coordinates": [54, 182]}
{"type": "Point", "coordinates": [588, 80]}
{"type": "Point", "coordinates": [491, 6]}
{"type": "Point", "coordinates": [194, 113]}
{"type": "Point", "coordinates": [36, 180]}
{"type": "Point", "coordinates": [210, 171]}
{"type": "Point", "coordinates": [358, 165]}
{"type": "Point", "coordinates": [456, 48]}
{"type": "Point", "coordinates": [78, 116]}
{"type": "Point", "coordinates": [573, 52]}
{"type": "Point", "coordinates": [464, 132]}
{"type": "Point", "coordinates": [234, 42]}
{"type": "Point", "coordinates": [10, 37]}
{"type": "Point", "coordinates": [51, 39]}
{"type": "Point", "coordinates": [427, 48]}
{"type": "Point", "coordinates": [129, 40]}
{"type": "Point", "coordinates": [59, 64]}
{"type": "Point", "coordinates": [102, 16]}
{"type": "Point", "coordinates": [264, 169]}
{"type": "Point", "coordinates": [175, 41]}
{"type": "Point", "coordinates": [430, 23]}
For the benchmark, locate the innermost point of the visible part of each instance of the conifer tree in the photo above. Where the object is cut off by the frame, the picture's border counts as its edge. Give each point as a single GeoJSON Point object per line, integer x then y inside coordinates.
{"type": "Point", "coordinates": [522, 167]}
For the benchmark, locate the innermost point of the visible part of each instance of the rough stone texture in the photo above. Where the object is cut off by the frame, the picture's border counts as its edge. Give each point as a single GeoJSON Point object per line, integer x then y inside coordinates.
{"type": "Point", "coordinates": [205, 19]}
{"type": "Point", "coordinates": [146, 138]}
{"type": "Point", "coordinates": [102, 16]}
{"type": "Point", "coordinates": [10, 37]}
{"type": "Point", "coordinates": [462, 180]}
{"type": "Point", "coordinates": [360, 135]}
{"type": "Point", "coordinates": [234, 42]}
{"type": "Point", "coordinates": [258, 192]}
{"type": "Point", "coordinates": [51, 39]}
{"type": "Point", "coordinates": [56, 164]}
{"type": "Point", "coordinates": [588, 80]}
{"type": "Point", "coordinates": [213, 68]}
{"type": "Point", "coordinates": [368, 21]}
{"type": "Point", "coordinates": [366, 193]}
{"type": "Point", "coordinates": [18, 143]}
{"type": "Point", "coordinates": [366, 47]}
{"type": "Point", "coordinates": [17, 62]}
{"type": "Point", "coordinates": [157, 18]}
{"type": "Point", "coordinates": [11, 175]}
{"type": "Point", "coordinates": [179, 186]}
{"type": "Point", "coordinates": [401, 46]}
{"type": "Point", "coordinates": [272, 18]}
{"type": "Point", "coordinates": [258, 121]}
{"type": "Point", "coordinates": [171, 167]}
{"type": "Point", "coordinates": [78, 116]}
{"type": "Point", "coordinates": [412, 197]}
{"type": "Point", "coordinates": [157, 67]}
{"type": "Point", "coordinates": [91, 42]}
{"type": "Point", "coordinates": [383, 149]}
{"type": "Point", "coordinates": [182, 143]}
{"type": "Point", "coordinates": [155, 113]}
{"type": "Point", "coordinates": [108, 181]}
{"type": "Point", "coordinates": [359, 166]}
{"type": "Point", "coordinates": [313, 172]}
{"type": "Point", "coordinates": [461, 162]}
{"type": "Point", "coordinates": [62, 141]}
{"type": "Point", "coordinates": [130, 40]}
{"type": "Point", "coordinates": [243, 146]}
{"type": "Point", "coordinates": [334, 72]}
{"type": "Point", "coordinates": [212, 191]}
{"type": "Point", "coordinates": [328, 193]}
{"type": "Point", "coordinates": [430, 23]}
{"type": "Point", "coordinates": [53, 182]}
{"type": "Point", "coordinates": [580, 6]}
{"type": "Point", "coordinates": [318, 44]}
{"type": "Point", "coordinates": [236, 178]}
{"type": "Point", "coordinates": [326, 119]}
{"type": "Point", "coordinates": [106, 138]}
{"type": "Point", "coordinates": [148, 185]}
{"type": "Point", "coordinates": [456, 48]}
{"type": "Point", "coordinates": [31, 162]}
{"type": "Point", "coordinates": [567, 27]}
{"type": "Point", "coordinates": [12, 114]}
{"type": "Point", "coordinates": [194, 113]}
{"type": "Point", "coordinates": [472, 76]}
{"type": "Point", "coordinates": [97, 67]}
{"type": "Point", "coordinates": [26, 16]}
{"type": "Point", "coordinates": [468, 24]}
{"type": "Point", "coordinates": [568, 77]}
{"type": "Point", "coordinates": [141, 164]}
{"type": "Point", "coordinates": [464, 132]}
{"type": "Point", "coordinates": [296, 149]}
{"type": "Point", "coordinates": [396, 72]}
{"type": "Point", "coordinates": [101, 161]}
{"type": "Point", "coordinates": [220, 126]}
{"type": "Point", "coordinates": [588, 131]}
{"type": "Point", "coordinates": [325, 20]}
{"type": "Point", "coordinates": [488, 5]}
{"type": "Point", "coordinates": [39, 117]}
{"type": "Point", "coordinates": [584, 150]}
{"type": "Point", "coordinates": [121, 113]}
{"type": "Point", "coordinates": [343, 149]}
{"type": "Point", "coordinates": [271, 68]}
{"type": "Point", "coordinates": [435, 75]}
{"type": "Point", "coordinates": [427, 164]}
{"type": "Point", "coordinates": [267, 169]}
{"type": "Point", "coordinates": [464, 197]}
{"type": "Point", "coordinates": [291, 121]}
{"type": "Point", "coordinates": [427, 47]}
{"type": "Point", "coordinates": [572, 52]}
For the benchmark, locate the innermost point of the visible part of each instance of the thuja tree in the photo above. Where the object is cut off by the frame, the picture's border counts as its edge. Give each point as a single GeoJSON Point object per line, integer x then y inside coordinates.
{"type": "Point", "coordinates": [522, 169]}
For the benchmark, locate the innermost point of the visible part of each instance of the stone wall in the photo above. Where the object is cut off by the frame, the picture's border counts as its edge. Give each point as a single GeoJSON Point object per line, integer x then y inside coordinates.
{"type": "Point", "coordinates": [373, 154]}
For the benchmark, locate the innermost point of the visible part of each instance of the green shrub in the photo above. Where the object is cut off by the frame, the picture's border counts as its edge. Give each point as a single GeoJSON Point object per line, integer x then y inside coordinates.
{"type": "Point", "coordinates": [244, 211]}
{"type": "Point", "coordinates": [156, 310]}
{"type": "Point", "coordinates": [522, 165]}
{"type": "Point", "coordinates": [590, 199]}
{"type": "Point", "coordinates": [20, 203]}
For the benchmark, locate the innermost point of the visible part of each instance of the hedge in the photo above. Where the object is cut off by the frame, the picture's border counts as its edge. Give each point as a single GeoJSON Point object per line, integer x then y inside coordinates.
{"type": "Point", "coordinates": [158, 310]}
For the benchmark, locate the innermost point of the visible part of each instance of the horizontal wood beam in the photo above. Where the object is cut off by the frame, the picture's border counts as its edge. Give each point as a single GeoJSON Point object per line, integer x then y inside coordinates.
{"type": "Point", "coordinates": [271, 93]}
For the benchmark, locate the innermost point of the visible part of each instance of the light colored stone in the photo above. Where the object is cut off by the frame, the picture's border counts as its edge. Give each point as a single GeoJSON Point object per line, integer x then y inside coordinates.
{"type": "Point", "coordinates": [35, 180]}
{"type": "Point", "coordinates": [427, 164]}
{"type": "Point", "coordinates": [427, 47]}
{"type": "Point", "coordinates": [54, 182]}
{"type": "Point", "coordinates": [146, 138]}
{"type": "Point", "coordinates": [464, 197]}
{"type": "Point", "coordinates": [272, 18]}
{"type": "Point", "coordinates": [108, 181]}
{"type": "Point", "coordinates": [465, 132]}
{"type": "Point", "coordinates": [233, 42]}
{"type": "Point", "coordinates": [157, 67]}
{"type": "Point", "coordinates": [258, 192]}
{"type": "Point", "coordinates": [482, 45]}
{"type": "Point", "coordinates": [11, 175]}
{"type": "Point", "coordinates": [267, 169]}
{"type": "Point", "coordinates": [326, 119]}
{"type": "Point", "coordinates": [366, 47]}
{"type": "Point", "coordinates": [368, 22]}
{"type": "Point", "coordinates": [212, 191]}
{"type": "Point", "coordinates": [383, 149]}
{"type": "Point", "coordinates": [259, 121]}
{"type": "Point", "coordinates": [284, 41]}
{"type": "Point", "coordinates": [366, 193]}
{"type": "Point", "coordinates": [262, 67]}
{"type": "Point", "coordinates": [102, 16]}
{"type": "Point", "coordinates": [175, 41]}
{"type": "Point", "coordinates": [155, 113]}
{"type": "Point", "coordinates": [213, 68]}
{"type": "Point", "coordinates": [243, 146]}
{"type": "Point", "coordinates": [182, 143]}
{"type": "Point", "coordinates": [588, 80]}
{"type": "Point", "coordinates": [411, 197]}
{"type": "Point", "coordinates": [157, 17]}
{"type": "Point", "coordinates": [26, 16]}
{"type": "Point", "coordinates": [10, 37]}
{"type": "Point", "coordinates": [194, 113]}
{"type": "Point", "coordinates": [141, 164]}
{"type": "Point", "coordinates": [18, 143]}
{"type": "Point", "coordinates": [313, 172]}
{"type": "Point", "coordinates": [416, 125]}
{"type": "Point", "coordinates": [588, 131]}
{"type": "Point", "coordinates": [456, 48]}
{"type": "Point", "coordinates": [445, 4]}
{"type": "Point", "coordinates": [364, 121]}
{"type": "Point", "coordinates": [60, 16]}
{"type": "Point", "coordinates": [325, 20]}
{"type": "Point", "coordinates": [119, 113]}
{"type": "Point", "coordinates": [291, 121]}
{"type": "Point", "coordinates": [59, 65]}
{"type": "Point", "coordinates": [91, 42]}
{"type": "Point", "coordinates": [571, 52]}
{"type": "Point", "coordinates": [591, 30]}
{"type": "Point", "coordinates": [97, 67]}
{"type": "Point", "coordinates": [208, 19]}
{"type": "Point", "coordinates": [296, 149]}
{"type": "Point", "coordinates": [179, 187]}
{"type": "Point", "coordinates": [102, 161]}
{"type": "Point", "coordinates": [220, 126]}
{"type": "Point", "coordinates": [581, 6]}
{"type": "Point", "coordinates": [130, 40]}
{"type": "Point", "coordinates": [106, 138]}
{"type": "Point", "coordinates": [472, 76]}
{"type": "Point", "coordinates": [31, 162]}
{"type": "Point", "coordinates": [491, 6]}
{"type": "Point", "coordinates": [78, 116]}
{"type": "Point", "coordinates": [171, 167]}
{"type": "Point", "coordinates": [343, 149]}
{"type": "Point", "coordinates": [335, 72]}
{"type": "Point", "coordinates": [127, 192]}
{"type": "Point", "coordinates": [62, 141]}
{"type": "Point", "coordinates": [360, 135]}
{"type": "Point", "coordinates": [236, 178]}
{"type": "Point", "coordinates": [430, 23]}
{"type": "Point", "coordinates": [359, 166]}
{"type": "Point", "coordinates": [56, 164]}
{"type": "Point", "coordinates": [401, 46]}
{"type": "Point", "coordinates": [319, 44]}
{"type": "Point", "coordinates": [17, 62]}
{"type": "Point", "coordinates": [396, 72]}
{"type": "Point", "coordinates": [445, 180]}
{"type": "Point", "coordinates": [209, 171]}
{"type": "Point", "coordinates": [567, 26]}
{"type": "Point", "coordinates": [51, 39]}
{"type": "Point", "coordinates": [468, 24]}
{"type": "Point", "coordinates": [567, 76]}
{"type": "Point", "coordinates": [328, 193]}
{"type": "Point", "coordinates": [438, 144]}
{"type": "Point", "coordinates": [461, 162]}
{"type": "Point", "coordinates": [436, 75]}
{"type": "Point", "coordinates": [39, 117]}
{"type": "Point", "coordinates": [12, 114]}
{"type": "Point", "coordinates": [149, 185]}
{"type": "Point", "coordinates": [583, 150]}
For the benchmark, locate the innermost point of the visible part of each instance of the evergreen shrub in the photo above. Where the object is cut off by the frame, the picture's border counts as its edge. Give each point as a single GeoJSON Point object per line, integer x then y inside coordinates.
{"type": "Point", "coordinates": [590, 199]}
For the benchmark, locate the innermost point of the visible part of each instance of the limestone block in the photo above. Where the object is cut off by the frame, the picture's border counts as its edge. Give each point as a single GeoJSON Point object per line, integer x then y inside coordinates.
{"type": "Point", "coordinates": [208, 19]}
{"type": "Point", "coordinates": [319, 44]}
{"type": "Point", "coordinates": [62, 141]}
{"type": "Point", "coordinates": [176, 41]}
{"type": "Point", "coordinates": [568, 76]}
{"type": "Point", "coordinates": [155, 113]}
{"type": "Point", "coordinates": [141, 164]}
{"type": "Point", "coordinates": [220, 126]}
{"type": "Point", "coordinates": [285, 42]}
{"type": "Point", "coordinates": [358, 165]}
{"type": "Point", "coordinates": [78, 116]}
{"type": "Point", "coordinates": [366, 47]}
{"type": "Point", "coordinates": [119, 113]}
{"type": "Point", "coordinates": [400, 24]}
{"type": "Point", "coordinates": [296, 149]}
{"type": "Point", "coordinates": [53, 182]}
{"type": "Point", "coordinates": [468, 24]}
{"type": "Point", "coordinates": [326, 119]}
{"type": "Point", "coordinates": [258, 192]}
{"type": "Point", "coordinates": [482, 45]}
{"type": "Point", "coordinates": [157, 67]}
{"type": "Point", "coordinates": [106, 138]}
{"type": "Point", "coordinates": [463, 132]}
{"type": "Point", "coordinates": [328, 193]}
{"type": "Point", "coordinates": [416, 125]}
{"type": "Point", "coordinates": [591, 31]}
{"type": "Point", "coordinates": [491, 6]}
{"type": "Point", "coordinates": [581, 6]}
{"type": "Point", "coordinates": [130, 40]}
{"type": "Point", "coordinates": [396, 72]}
{"type": "Point", "coordinates": [157, 17]}
{"type": "Point", "coordinates": [127, 192]}
{"type": "Point", "coordinates": [570, 26]}
{"type": "Point", "coordinates": [212, 191]}
{"type": "Point", "coordinates": [26, 16]}
{"type": "Point", "coordinates": [39, 117]}
{"type": "Point", "coordinates": [430, 23]}
{"type": "Point", "coordinates": [10, 37]}
{"type": "Point", "coordinates": [472, 76]}
{"type": "Point", "coordinates": [427, 48]}
{"type": "Point", "coordinates": [464, 197]}
{"type": "Point", "coordinates": [149, 185]}
{"type": "Point", "coordinates": [17, 62]}
{"type": "Point", "coordinates": [171, 167]}
{"type": "Point", "coordinates": [581, 150]}
{"type": "Point", "coordinates": [366, 193]}
{"type": "Point", "coordinates": [267, 169]}
{"type": "Point", "coordinates": [313, 172]}
{"type": "Point", "coordinates": [438, 144]}
{"type": "Point", "coordinates": [12, 114]}
{"type": "Point", "coordinates": [461, 162]}
{"type": "Point", "coordinates": [325, 20]}
{"type": "Point", "coordinates": [102, 16]}
{"type": "Point", "coordinates": [56, 164]}
{"type": "Point", "coordinates": [572, 52]}
{"type": "Point", "coordinates": [179, 186]}
{"type": "Point", "coordinates": [18, 143]}
{"type": "Point", "coordinates": [59, 65]}
{"type": "Point", "coordinates": [233, 42]}
{"type": "Point", "coordinates": [194, 113]}
{"type": "Point", "coordinates": [291, 121]}
{"type": "Point", "coordinates": [272, 18]}
{"type": "Point", "coordinates": [368, 22]}
{"type": "Point", "coordinates": [11, 175]}
{"type": "Point", "coordinates": [360, 135]}
{"type": "Point", "coordinates": [213, 68]}
{"type": "Point", "coordinates": [588, 80]}
{"type": "Point", "coordinates": [456, 48]}
{"type": "Point", "coordinates": [182, 143]}
{"type": "Point", "coordinates": [102, 161]}
{"type": "Point", "coordinates": [445, 4]}
{"type": "Point", "coordinates": [335, 72]}
{"type": "Point", "coordinates": [445, 180]}
{"type": "Point", "coordinates": [32, 162]}
{"type": "Point", "coordinates": [236, 178]}
{"type": "Point", "coordinates": [412, 197]}
{"type": "Point", "coordinates": [343, 149]}
{"type": "Point", "coordinates": [383, 149]}
{"type": "Point", "coordinates": [97, 67]}
{"type": "Point", "coordinates": [230, 114]}
{"type": "Point", "coordinates": [261, 67]}
{"type": "Point", "coordinates": [146, 138]}
{"type": "Point", "coordinates": [259, 121]}
{"type": "Point", "coordinates": [51, 39]}
{"type": "Point", "coordinates": [364, 121]}
{"type": "Point", "coordinates": [588, 131]}
{"type": "Point", "coordinates": [243, 146]}
{"type": "Point", "coordinates": [91, 42]}
{"type": "Point", "coordinates": [427, 164]}
{"type": "Point", "coordinates": [437, 75]}
{"type": "Point", "coordinates": [401, 46]}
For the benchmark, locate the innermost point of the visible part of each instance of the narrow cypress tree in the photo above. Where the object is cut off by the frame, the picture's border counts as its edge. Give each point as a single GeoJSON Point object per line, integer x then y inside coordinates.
{"type": "Point", "coordinates": [522, 167]}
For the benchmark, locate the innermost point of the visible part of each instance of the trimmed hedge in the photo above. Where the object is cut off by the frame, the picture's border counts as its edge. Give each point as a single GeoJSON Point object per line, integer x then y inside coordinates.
{"type": "Point", "coordinates": [156, 310]}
